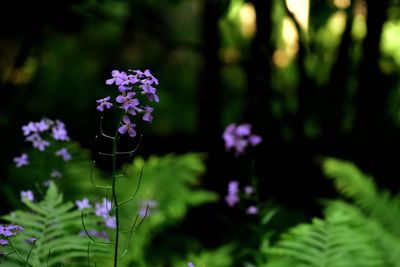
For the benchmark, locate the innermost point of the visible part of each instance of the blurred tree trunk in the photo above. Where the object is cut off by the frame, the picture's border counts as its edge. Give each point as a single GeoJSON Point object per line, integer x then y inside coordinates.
{"type": "Point", "coordinates": [334, 101]}
{"type": "Point", "coordinates": [371, 100]}
{"type": "Point", "coordinates": [374, 135]}
{"type": "Point", "coordinates": [210, 91]}
{"type": "Point", "coordinates": [259, 94]}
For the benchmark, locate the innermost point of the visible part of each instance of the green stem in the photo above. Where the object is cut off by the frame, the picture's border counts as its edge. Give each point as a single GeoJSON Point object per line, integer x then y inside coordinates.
{"type": "Point", "coordinates": [114, 191]}
{"type": "Point", "coordinates": [19, 254]}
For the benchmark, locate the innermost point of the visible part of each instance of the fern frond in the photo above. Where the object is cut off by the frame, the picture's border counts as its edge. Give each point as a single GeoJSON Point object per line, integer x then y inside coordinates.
{"type": "Point", "coordinates": [334, 242]}
{"type": "Point", "coordinates": [57, 227]}
{"type": "Point", "coordinates": [360, 188]}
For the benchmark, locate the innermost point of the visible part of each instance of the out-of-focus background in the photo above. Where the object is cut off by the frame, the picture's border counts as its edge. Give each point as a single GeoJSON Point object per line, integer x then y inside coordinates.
{"type": "Point", "coordinates": [314, 78]}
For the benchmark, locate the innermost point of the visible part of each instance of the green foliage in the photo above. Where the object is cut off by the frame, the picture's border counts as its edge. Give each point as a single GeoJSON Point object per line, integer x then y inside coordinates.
{"type": "Point", "coordinates": [170, 180]}
{"type": "Point", "coordinates": [360, 232]}
{"type": "Point", "coordinates": [57, 226]}
{"type": "Point", "coordinates": [335, 241]}
{"type": "Point", "coordinates": [74, 183]}
{"type": "Point", "coordinates": [220, 257]}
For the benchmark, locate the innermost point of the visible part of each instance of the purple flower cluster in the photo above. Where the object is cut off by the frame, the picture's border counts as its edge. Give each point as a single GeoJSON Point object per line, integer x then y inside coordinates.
{"type": "Point", "coordinates": [102, 210]}
{"type": "Point", "coordinates": [233, 196]}
{"type": "Point", "coordinates": [238, 137]}
{"type": "Point", "coordinates": [7, 231]}
{"type": "Point", "coordinates": [233, 193]}
{"type": "Point", "coordinates": [128, 100]}
{"type": "Point", "coordinates": [28, 195]}
{"type": "Point", "coordinates": [34, 131]}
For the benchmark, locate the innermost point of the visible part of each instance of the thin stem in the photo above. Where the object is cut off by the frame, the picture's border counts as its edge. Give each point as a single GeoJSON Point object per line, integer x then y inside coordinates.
{"type": "Point", "coordinates": [114, 193]}
{"type": "Point", "coordinates": [92, 180]}
{"type": "Point", "coordinates": [19, 254]}
{"type": "Point", "coordinates": [101, 130]}
{"type": "Point", "coordinates": [137, 188]}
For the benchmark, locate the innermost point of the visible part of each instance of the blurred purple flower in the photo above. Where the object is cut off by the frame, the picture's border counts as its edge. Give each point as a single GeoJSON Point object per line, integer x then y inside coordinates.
{"type": "Point", "coordinates": [191, 264]}
{"type": "Point", "coordinates": [27, 195]}
{"type": "Point", "coordinates": [37, 141]}
{"type": "Point", "coordinates": [238, 137]}
{"type": "Point", "coordinates": [31, 240]}
{"type": "Point", "coordinates": [252, 210]}
{"type": "Point", "coordinates": [83, 204]}
{"type": "Point", "coordinates": [63, 152]}
{"type": "Point", "coordinates": [110, 222]}
{"type": "Point", "coordinates": [233, 193]}
{"type": "Point", "coordinates": [59, 131]}
{"type": "Point", "coordinates": [102, 209]}
{"type": "Point", "coordinates": [248, 190]}
{"type": "Point", "coordinates": [21, 161]}
{"type": "Point", "coordinates": [4, 242]}
{"type": "Point", "coordinates": [29, 128]}
{"type": "Point", "coordinates": [42, 125]}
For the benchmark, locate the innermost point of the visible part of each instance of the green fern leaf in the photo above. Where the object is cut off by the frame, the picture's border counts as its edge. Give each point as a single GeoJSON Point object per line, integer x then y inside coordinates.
{"type": "Point", "coordinates": [334, 242]}
{"type": "Point", "coordinates": [57, 227]}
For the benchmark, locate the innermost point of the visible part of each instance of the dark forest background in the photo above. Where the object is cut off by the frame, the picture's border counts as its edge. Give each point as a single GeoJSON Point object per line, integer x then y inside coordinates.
{"type": "Point", "coordinates": [316, 79]}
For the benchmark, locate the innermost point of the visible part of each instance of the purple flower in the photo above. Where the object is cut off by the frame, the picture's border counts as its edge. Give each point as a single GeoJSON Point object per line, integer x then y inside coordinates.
{"type": "Point", "coordinates": [4, 242]}
{"type": "Point", "coordinates": [123, 89]}
{"type": "Point", "coordinates": [233, 187]}
{"type": "Point", "coordinates": [59, 131]}
{"type": "Point", "coordinates": [17, 228]}
{"type": "Point", "coordinates": [233, 193]}
{"type": "Point", "coordinates": [238, 137]}
{"type": "Point", "coordinates": [27, 195]}
{"type": "Point", "coordinates": [102, 209]}
{"type": "Point", "coordinates": [63, 152]}
{"type": "Point", "coordinates": [191, 264]}
{"type": "Point", "coordinates": [147, 114]}
{"type": "Point", "coordinates": [31, 240]}
{"type": "Point", "coordinates": [254, 140]}
{"type": "Point", "coordinates": [110, 222]}
{"type": "Point", "coordinates": [10, 230]}
{"type": "Point", "coordinates": [104, 103]}
{"type": "Point", "coordinates": [29, 128]}
{"type": "Point", "coordinates": [119, 78]}
{"type": "Point", "coordinates": [83, 204]}
{"type": "Point", "coordinates": [22, 160]}
{"type": "Point", "coordinates": [127, 101]}
{"type": "Point", "coordinates": [5, 231]}
{"type": "Point", "coordinates": [150, 92]}
{"type": "Point", "coordinates": [150, 78]}
{"type": "Point", "coordinates": [42, 125]}
{"type": "Point", "coordinates": [37, 141]}
{"type": "Point", "coordinates": [232, 199]}
{"type": "Point", "coordinates": [252, 210]}
{"type": "Point", "coordinates": [248, 190]}
{"type": "Point", "coordinates": [127, 127]}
